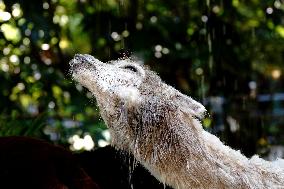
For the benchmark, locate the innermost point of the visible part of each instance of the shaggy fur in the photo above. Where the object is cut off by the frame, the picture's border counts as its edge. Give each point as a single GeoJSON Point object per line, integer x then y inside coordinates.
{"type": "Point", "coordinates": [161, 128]}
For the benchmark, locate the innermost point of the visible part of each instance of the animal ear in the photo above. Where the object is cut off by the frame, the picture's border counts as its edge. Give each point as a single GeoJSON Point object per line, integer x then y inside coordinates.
{"type": "Point", "coordinates": [188, 105]}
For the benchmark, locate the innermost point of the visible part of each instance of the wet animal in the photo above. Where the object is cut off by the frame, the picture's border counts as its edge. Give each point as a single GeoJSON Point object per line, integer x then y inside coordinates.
{"type": "Point", "coordinates": [161, 127]}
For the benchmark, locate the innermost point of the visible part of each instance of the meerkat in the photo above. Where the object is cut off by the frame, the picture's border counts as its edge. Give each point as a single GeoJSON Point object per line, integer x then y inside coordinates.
{"type": "Point", "coordinates": [161, 127]}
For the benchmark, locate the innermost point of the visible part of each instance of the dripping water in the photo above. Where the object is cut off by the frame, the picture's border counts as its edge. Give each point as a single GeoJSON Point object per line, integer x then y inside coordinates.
{"type": "Point", "coordinates": [109, 33]}
{"type": "Point", "coordinates": [164, 184]}
{"type": "Point", "coordinates": [209, 41]}
{"type": "Point", "coordinates": [202, 89]}
{"type": "Point", "coordinates": [132, 164]}
{"type": "Point", "coordinates": [210, 61]}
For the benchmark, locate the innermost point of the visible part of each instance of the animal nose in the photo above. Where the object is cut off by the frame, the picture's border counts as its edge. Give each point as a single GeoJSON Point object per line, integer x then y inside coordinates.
{"type": "Point", "coordinates": [83, 59]}
{"type": "Point", "coordinates": [86, 58]}
{"type": "Point", "coordinates": [79, 57]}
{"type": "Point", "coordinates": [78, 60]}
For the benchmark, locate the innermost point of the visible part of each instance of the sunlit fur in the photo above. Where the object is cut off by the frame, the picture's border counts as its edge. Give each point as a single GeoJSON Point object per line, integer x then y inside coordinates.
{"type": "Point", "coordinates": [161, 128]}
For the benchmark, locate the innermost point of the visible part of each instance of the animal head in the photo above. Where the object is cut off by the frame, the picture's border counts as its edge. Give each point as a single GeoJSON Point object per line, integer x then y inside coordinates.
{"type": "Point", "coordinates": [128, 94]}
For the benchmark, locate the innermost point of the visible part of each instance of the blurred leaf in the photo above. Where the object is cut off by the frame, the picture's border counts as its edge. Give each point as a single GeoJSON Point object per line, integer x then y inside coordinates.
{"type": "Point", "coordinates": [11, 33]}
{"type": "Point", "coordinates": [280, 30]}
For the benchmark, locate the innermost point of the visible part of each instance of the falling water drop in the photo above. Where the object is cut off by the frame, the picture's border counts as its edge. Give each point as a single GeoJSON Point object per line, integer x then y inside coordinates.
{"type": "Point", "coordinates": [209, 41]}
{"type": "Point", "coordinates": [210, 61]}
{"type": "Point", "coordinates": [208, 3]}
{"type": "Point", "coordinates": [109, 52]}
{"type": "Point", "coordinates": [203, 89]}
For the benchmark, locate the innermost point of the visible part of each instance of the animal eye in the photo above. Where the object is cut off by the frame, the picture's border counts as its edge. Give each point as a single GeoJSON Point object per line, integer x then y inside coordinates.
{"type": "Point", "coordinates": [131, 68]}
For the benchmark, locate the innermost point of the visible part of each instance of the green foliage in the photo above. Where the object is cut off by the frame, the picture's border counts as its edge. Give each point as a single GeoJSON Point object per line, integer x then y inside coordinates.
{"type": "Point", "coordinates": [204, 48]}
{"type": "Point", "coordinates": [16, 127]}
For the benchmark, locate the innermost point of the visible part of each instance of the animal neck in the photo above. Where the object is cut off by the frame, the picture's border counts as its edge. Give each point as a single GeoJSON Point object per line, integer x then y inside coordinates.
{"type": "Point", "coordinates": [174, 147]}
{"type": "Point", "coordinates": [201, 160]}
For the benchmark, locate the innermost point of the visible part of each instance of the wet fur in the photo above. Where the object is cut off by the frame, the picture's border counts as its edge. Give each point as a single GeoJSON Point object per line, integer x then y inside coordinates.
{"type": "Point", "coordinates": [161, 128]}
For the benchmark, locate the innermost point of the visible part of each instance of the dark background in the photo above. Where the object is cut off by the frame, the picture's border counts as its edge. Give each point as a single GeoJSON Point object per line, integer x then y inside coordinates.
{"type": "Point", "coordinates": [229, 55]}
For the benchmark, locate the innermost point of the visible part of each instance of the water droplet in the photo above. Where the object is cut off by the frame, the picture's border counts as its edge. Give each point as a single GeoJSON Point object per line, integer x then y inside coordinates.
{"type": "Point", "coordinates": [41, 33]}
{"type": "Point", "coordinates": [277, 4]}
{"type": "Point", "coordinates": [115, 36]}
{"type": "Point", "coordinates": [158, 48]}
{"type": "Point", "coordinates": [45, 46]}
{"type": "Point", "coordinates": [27, 60]}
{"type": "Point", "coordinates": [6, 50]}
{"type": "Point", "coordinates": [28, 32]}
{"type": "Point", "coordinates": [34, 66]}
{"type": "Point", "coordinates": [26, 41]}
{"type": "Point", "coordinates": [79, 87]}
{"type": "Point", "coordinates": [37, 76]}
{"type": "Point", "coordinates": [14, 59]}
{"type": "Point", "coordinates": [216, 9]}
{"type": "Point", "coordinates": [165, 51]}
{"type": "Point", "coordinates": [204, 18]}
{"type": "Point", "coordinates": [153, 19]}
{"type": "Point", "coordinates": [51, 105]}
{"type": "Point", "coordinates": [178, 46]}
{"type": "Point", "coordinates": [20, 86]}
{"type": "Point", "coordinates": [252, 85]}
{"type": "Point", "coordinates": [269, 10]}
{"type": "Point", "coordinates": [199, 71]}
{"type": "Point", "coordinates": [17, 70]}
{"type": "Point", "coordinates": [5, 67]}
{"type": "Point", "coordinates": [45, 5]}
{"type": "Point", "coordinates": [125, 33]}
{"type": "Point", "coordinates": [139, 25]}
{"type": "Point", "coordinates": [158, 54]}
{"type": "Point", "coordinates": [16, 12]}
{"type": "Point", "coordinates": [47, 61]}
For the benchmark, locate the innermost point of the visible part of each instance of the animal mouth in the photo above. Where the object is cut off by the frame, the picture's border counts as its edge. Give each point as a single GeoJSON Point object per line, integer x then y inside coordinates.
{"type": "Point", "coordinates": [84, 68]}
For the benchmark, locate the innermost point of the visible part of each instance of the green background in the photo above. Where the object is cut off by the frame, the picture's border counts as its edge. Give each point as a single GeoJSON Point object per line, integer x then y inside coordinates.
{"type": "Point", "coordinates": [229, 55]}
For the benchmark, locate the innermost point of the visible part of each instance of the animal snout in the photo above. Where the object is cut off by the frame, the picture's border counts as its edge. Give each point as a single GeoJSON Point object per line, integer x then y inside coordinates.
{"type": "Point", "coordinates": [86, 59]}
{"type": "Point", "coordinates": [80, 58]}
{"type": "Point", "coordinates": [83, 60]}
